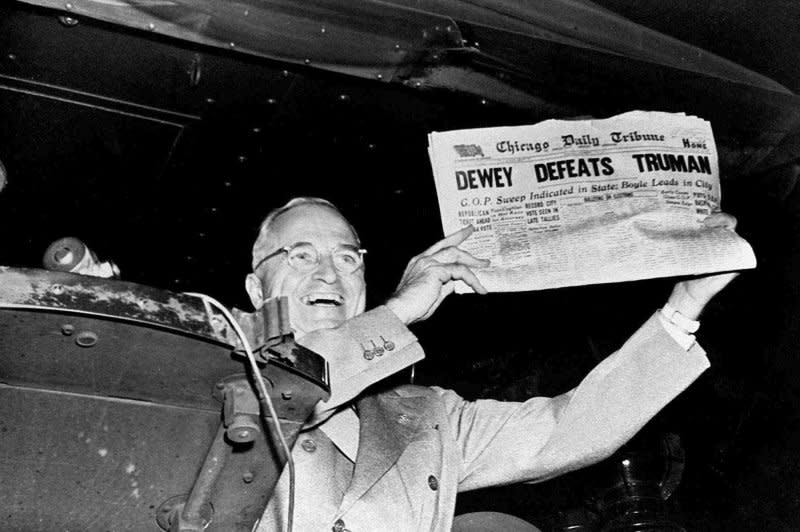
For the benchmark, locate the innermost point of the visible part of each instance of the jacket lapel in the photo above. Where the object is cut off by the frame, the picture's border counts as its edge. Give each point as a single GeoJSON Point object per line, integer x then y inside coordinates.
{"type": "Point", "coordinates": [389, 423]}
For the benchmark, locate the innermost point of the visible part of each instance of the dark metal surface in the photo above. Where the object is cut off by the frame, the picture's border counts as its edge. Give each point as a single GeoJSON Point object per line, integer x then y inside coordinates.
{"type": "Point", "coordinates": [380, 39]}
{"type": "Point", "coordinates": [76, 462]}
{"type": "Point", "coordinates": [94, 102]}
{"type": "Point", "coordinates": [80, 463]}
{"type": "Point", "coordinates": [128, 360]}
{"type": "Point", "coordinates": [110, 398]}
{"type": "Point", "coordinates": [41, 289]}
{"type": "Point", "coordinates": [148, 345]}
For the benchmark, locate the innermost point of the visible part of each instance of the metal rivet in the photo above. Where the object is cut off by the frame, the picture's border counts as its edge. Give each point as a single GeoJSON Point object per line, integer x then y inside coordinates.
{"type": "Point", "coordinates": [285, 73]}
{"type": "Point", "coordinates": [86, 339]}
{"type": "Point", "coordinates": [483, 101]}
{"type": "Point", "coordinates": [69, 22]}
{"type": "Point", "coordinates": [67, 329]}
{"type": "Point", "coordinates": [379, 76]}
{"type": "Point", "coordinates": [12, 57]}
{"type": "Point", "coordinates": [397, 47]}
{"type": "Point", "coordinates": [246, 12]}
{"type": "Point", "coordinates": [68, 6]}
{"type": "Point", "coordinates": [344, 97]}
{"type": "Point", "coordinates": [433, 483]}
{"type": "Point", "coordinates": [287, 394]}
{"type": "Point", "coordinates": [309, 445]}
{"type": "Point", "coordinates": [57, 289]}
{"type": "Point", "coordinates": [242, 159]}
{"type": "Point", "coordinates": [210, 101]}
{"type": "Point", "coordinates": [322, 29]}
{"type": "Point", "coordinates": [417, 84]}
{"type": "Point", "coordinates": [256, 130]}
{"type": "Point", "coordinates": [248, 477]}
{"type": "Point", "coordinates": [272, 101]}
{"type": "Point", "coordinates": [151, 26]}
{"type": "Point", "coordinates": [231, 44]}
{"type": "Point", "coordinates": [307, 61]}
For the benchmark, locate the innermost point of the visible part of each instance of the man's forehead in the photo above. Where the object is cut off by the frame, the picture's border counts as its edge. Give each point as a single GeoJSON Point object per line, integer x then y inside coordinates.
{"type": "Point", "coordinates": [306, 222]}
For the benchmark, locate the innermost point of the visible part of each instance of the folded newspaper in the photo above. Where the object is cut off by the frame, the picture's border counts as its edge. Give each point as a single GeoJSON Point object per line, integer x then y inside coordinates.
{"type": "Point", "coordinates": [566, 203]}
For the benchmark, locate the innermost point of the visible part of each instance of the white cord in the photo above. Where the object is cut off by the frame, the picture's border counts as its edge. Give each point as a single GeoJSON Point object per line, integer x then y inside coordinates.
{"type": "Point", "coordinates": [262, 388]}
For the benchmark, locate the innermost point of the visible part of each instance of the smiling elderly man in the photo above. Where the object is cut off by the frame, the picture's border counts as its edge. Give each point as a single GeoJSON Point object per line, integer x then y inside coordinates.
{"type": "Point", "coordinates": [395, 460]}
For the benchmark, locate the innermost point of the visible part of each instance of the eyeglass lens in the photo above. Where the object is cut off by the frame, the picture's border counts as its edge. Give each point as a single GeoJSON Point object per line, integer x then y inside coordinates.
{"type": "Point", "coordinates": [305, 257]}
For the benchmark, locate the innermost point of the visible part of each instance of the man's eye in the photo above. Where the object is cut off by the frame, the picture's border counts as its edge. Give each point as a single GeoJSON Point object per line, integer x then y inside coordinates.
{"type": "Point", "coordinates": [304, 256]}
{"type": "Point", "coordinates": [348, 258]}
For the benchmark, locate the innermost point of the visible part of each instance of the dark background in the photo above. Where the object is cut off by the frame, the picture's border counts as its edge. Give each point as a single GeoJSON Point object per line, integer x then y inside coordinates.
{"type": "Point", "coordinates": [108, 134]}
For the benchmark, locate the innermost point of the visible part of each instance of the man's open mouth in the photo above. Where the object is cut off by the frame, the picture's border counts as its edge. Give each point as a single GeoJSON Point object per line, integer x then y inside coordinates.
{"type": "Point", "coordinates": [323, 300]}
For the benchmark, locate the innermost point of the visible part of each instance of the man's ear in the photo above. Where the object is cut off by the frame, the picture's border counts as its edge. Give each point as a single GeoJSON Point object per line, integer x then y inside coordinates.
{"type": "Point", "coordinates": [255, 290]}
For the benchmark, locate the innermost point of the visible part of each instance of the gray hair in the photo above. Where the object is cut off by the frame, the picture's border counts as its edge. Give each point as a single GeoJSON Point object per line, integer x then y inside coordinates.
{"type": "Point", "coordinates": [260, 245]}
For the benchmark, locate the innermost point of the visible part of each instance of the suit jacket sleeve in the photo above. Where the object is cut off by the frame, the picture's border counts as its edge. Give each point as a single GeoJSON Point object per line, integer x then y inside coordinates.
{"type": "Point", "coordinates": [504, 442]}
{"type": "Point", "coordinates": [361, 352]}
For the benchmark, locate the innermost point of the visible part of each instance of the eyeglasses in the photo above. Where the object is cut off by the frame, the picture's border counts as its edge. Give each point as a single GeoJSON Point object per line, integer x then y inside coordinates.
{"type": "Point", "coordinates": [304, 257]}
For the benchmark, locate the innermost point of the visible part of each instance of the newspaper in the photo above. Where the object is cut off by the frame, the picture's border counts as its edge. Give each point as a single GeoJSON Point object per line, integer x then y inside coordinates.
{"type": "Point", "coordinates": [566, 203]}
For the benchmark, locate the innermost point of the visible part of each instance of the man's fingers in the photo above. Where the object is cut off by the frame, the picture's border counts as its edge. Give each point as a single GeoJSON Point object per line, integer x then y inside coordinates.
{"type": "Point", "coordinates": [453, 239]}
{"type": "Point", "coordinates": [459, 256]}
{"type": "Point", "coordinates": [721, 219]}
{"type": "Point", "coordinates": [460, 272]}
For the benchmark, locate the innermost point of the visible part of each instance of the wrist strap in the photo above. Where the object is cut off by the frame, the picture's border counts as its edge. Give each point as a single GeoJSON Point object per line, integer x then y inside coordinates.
{"type": "Point", "coordinates": [679, 320]}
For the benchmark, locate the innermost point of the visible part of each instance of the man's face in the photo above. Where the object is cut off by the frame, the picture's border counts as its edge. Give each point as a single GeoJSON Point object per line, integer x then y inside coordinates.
{"type": "Point", "coordinates": [323, 297]}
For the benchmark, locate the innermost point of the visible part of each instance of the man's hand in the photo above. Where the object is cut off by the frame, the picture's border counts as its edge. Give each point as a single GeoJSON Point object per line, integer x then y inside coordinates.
{"type": "Point", "coordinates": [430, 277]}
{"type": "Point", "coordinates": [691, 296]}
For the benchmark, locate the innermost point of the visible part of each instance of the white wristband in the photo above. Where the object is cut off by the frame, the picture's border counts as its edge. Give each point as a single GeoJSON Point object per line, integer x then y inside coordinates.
{"type": "Point", "coordinates": [679, 320]}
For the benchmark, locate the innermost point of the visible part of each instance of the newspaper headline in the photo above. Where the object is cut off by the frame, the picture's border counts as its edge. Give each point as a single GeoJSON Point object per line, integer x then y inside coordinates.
{"type": "Point", "coordinates": [565, 203]}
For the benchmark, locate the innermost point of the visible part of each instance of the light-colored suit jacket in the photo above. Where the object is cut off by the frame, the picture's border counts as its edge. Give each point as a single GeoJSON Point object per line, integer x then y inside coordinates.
{"type": "Point", "coordinates": [419, 446]}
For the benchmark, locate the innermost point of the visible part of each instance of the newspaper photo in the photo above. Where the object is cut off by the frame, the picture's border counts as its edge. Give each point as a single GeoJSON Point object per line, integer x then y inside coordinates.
{"type": "Point", "coordinates": [566, 203]}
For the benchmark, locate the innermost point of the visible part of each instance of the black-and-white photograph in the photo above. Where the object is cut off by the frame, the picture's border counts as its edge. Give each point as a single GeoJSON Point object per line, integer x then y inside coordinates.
{"type": "Point", "coordinates": [399, 266]}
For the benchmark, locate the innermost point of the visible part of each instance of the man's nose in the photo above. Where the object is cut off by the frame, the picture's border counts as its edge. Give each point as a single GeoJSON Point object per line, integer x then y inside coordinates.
{"type": "Point", "coordinates": [325, 270]}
